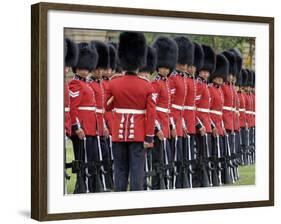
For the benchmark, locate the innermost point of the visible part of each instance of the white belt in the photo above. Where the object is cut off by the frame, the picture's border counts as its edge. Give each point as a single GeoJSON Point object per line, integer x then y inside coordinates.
{"type": "Point", "coordinates": [129, 111]}
{"type": "Point", "coordinates": [242, 109]}
{"type": "Point", "coordinates": [87, 108]}
{"type": "Point", "coordinates": [229, 108]}
{"type": "Point", "coordinates": [189, 108]}
{"type": "Point", "coordinates": [66, 109]}
{"type": "Point", "coordinates": [203, 110]}
{"type": "Point", "coordinates": [250, 112]}
{"type": "Point", "coordinates": [216, 112]}
{"type": "Point", "coordinates": [164, 110]}
{"type": "Point", "coordinates": [101, 111]}
{"type": "Point", "coordinates": [177, 106]}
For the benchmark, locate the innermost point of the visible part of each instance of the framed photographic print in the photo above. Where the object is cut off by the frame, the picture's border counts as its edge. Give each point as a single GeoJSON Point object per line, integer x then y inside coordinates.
{"type": "Point", "coordinates": [139, 111]}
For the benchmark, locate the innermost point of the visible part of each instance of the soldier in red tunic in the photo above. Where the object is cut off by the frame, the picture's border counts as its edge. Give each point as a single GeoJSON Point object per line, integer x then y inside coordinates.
{"type": "Point", "coordinates": [229, 108]}
{"type": "Point", "coordinates": [181, 92]}
{"type": "Point", "coordinates": [83, 119]}
{"type": "Point", "coordinates": [236, 83]}
{"type": "Point", "coordinates": [167, 53]}
{"type": "Point", "coordinates": [242, 116]}
{"type": "Point", "coordinates": [216, 108]}
{"type": "Point", "coordinates": [249, 104]}
{"type": "Point", "coordinates": [134, 113]}
{"type": "Point", "coordinates": [190, 115]}
{"type": "Point", "coordinates": [70, 60]}
{"type": "Point", "coordinates": [146, 72]}
{"type": "Point", "coordinates": [96, 83]}
{"type": "Point", "coordinates": [203, 142]}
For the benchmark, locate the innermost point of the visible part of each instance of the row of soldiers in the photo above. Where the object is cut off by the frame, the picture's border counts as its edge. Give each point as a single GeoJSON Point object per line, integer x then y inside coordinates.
{"type": "Point", "coordinates": [171, 115]}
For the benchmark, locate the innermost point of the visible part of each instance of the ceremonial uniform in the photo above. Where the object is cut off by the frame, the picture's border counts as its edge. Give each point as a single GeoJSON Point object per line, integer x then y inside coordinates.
{"type": "Point", "coordinates": [216, 111]}
{"type": "Point", "coordinates": [83, 116]}
{"type": "Point", "coordinates": [242, 117]}
{"type": "Point", "coordinates": [203, 99]}
{"type": "Point", "coordinates": [163, 122]}
{"type": "Point", "coordinates": [71, 56]}
{"type": "Point", "coordinates": [67, 121]}
{"type": "Point", "coordinates": [134, 113]}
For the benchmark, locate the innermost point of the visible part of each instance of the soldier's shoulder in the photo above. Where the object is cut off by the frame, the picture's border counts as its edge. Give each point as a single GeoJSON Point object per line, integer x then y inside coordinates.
{"type": "Point", "coordinates": [74, 82]}
{"type": "Point", "coordinates": [143, 78]}
{"type": "Point", "coordinates": [116, 76]}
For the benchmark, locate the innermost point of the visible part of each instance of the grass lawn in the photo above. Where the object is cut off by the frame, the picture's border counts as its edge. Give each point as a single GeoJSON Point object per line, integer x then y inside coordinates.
{"type": "Point", "coordinates": [246, 173]}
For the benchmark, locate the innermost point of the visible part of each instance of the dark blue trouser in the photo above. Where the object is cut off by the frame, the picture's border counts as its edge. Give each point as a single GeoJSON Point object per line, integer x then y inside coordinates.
{"type": "Point", "coordinates": [159, 160]}
{"type": "Point", "coordinates": [106, 160]}
{"type": "Point", "coordinates": [179, 159]}
{"type": "Point", "coordinates": [129, 159]}
{"type": "Point", "coordinates": [90, 154]}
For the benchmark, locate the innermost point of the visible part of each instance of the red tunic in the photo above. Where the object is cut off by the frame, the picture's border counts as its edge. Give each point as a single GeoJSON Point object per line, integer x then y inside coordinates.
{"type": "Point", "coordinates": [134, 108]}
{"type": "Point", "coordinates": [254, 109]}
{"type": "Point", "coordinates": [236, 123]}
{"type": "Point", "coordinates": [179, 93]}
{"type": "Point", "coordinates": [203, 104]}
{"type": "Point", "coordinates": [98, 88]}
{"type": "Point", "coordinates": [108, 116]}
{"type": "Point", "coordinates": [216, 105]}
{"type": "Point", "coordinates": [82, 106]}
{"type": "Point", "coordinates": [67, 120]}
{"type": "Point", "coordinates": [189, 113]}
{"type": "Point", "coordinates": [242, 115]}
{"type": "Point", "coordinates": [249, 110]}
{"type": "Point", "coordinates": [162, 96]}
{"type": "Point", "coordinates": [228, 107]}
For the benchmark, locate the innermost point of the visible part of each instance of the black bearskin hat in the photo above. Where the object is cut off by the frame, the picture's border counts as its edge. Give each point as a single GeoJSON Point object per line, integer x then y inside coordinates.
{"type": "Point", "coordinates": [222, 67]}
{"type": "Point", "coordinates": [239, 60]}
{"type": "Point", "coordinates": [253, 79]}
{"type": "Point", "coordinates": [167, 52]}
{"type": "Point", "coordinates": [249, 77]}
{"type": "Point", "coordinates": [88, 57]}
{"type": "Point", "coordinates": [103, 52]}
{"type": "Point", "coordinates": [112, 56]}
{"type": "Point", "coordinates": [151, 61]}
{"type": "Point", "coordinates": [231, 57]}
{"type": "Point", "coordinates": [118, 66]}
{"type": "Point", "coordinates": [185, 50]}
{"type": "Point", "coordinates": [209, 59]}
{"type": "Point", "coordinates": [198, 56]}
{"type": "Point", "coordinates": [244, 77]}
{"type": "Point", "coordinates": [70, 53]}
{"type": "Point", "coordinates": [132, 50]}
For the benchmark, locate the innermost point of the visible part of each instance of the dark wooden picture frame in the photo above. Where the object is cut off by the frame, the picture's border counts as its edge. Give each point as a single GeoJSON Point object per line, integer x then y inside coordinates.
{"type": "Point", "coordinates": [39, 107]}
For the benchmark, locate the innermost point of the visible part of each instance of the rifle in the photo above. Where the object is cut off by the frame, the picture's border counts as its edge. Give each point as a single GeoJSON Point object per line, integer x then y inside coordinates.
{"type": "Point", "coordinates": [160, 168]}
{"type": "Point", "coordinates": [229, 166]}
{"type": "Point", "coordinates": [184, 173]}
{"type": "Point", "coordinates": [219, 159]}
{"type": "Point", "coordinates": [235, 164]}
{"type": "Point", "coordinates": [248, 147]}
{"type": "Point", "coordinates": [254, 143]}
{"type": "Point", "coordinates": [189, 160]}
{"type": "Point", "coordinates": [242, 148]}
{"type": "Point", "coordinates": [148, 173]}
{"type": "Point", "coordinates": [209, 163]}
{"type": "Point", "coordinates": [66, 166]}
{"type": "Point", "coordinates": [111, 161]}
{"type": "Point", "coordinates": [175, 162]}
{"type": "Point", "coordinates": [86, 168]}
{"type": "Point", "coordinates": [101, 167]}
{"type": "Point", "coordinates": [168, 176]}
